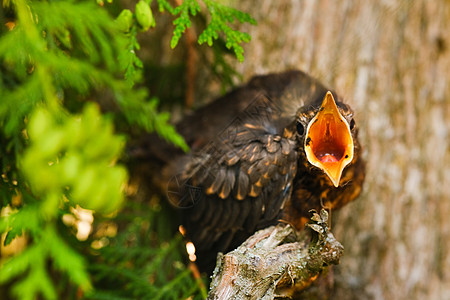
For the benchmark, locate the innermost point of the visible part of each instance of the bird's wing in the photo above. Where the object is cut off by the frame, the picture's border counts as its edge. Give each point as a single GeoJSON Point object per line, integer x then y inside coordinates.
{"type": "Point", "coordinates": [238, 183]}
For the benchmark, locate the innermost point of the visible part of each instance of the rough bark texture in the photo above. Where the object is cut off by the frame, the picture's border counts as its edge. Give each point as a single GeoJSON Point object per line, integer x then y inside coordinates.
{"type": "Point", "coordinates": [391, 60]}
{"type": "Point", "coordinates": [274, 260]}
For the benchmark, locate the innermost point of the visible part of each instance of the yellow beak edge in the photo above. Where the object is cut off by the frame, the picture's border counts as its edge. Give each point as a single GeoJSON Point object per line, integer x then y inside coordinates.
{"type": "Point", "coordinates": [328, 142]}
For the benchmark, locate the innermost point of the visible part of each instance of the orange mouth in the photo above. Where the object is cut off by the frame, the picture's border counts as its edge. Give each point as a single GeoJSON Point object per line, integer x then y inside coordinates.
{"type": "Point", "coordinates": [329, 143]}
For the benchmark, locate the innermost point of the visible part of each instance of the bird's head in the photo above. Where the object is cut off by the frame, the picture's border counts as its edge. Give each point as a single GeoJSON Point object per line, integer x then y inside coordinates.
{"type": "Point", "coordinates": [327, 135]}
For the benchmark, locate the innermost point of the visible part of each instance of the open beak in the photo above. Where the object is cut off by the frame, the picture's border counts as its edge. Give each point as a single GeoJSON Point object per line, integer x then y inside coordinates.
{"type": "Point", "coordinates": [329, 143]}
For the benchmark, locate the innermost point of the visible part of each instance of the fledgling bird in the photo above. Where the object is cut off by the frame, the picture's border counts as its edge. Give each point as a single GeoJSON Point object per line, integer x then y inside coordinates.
{"type": "Point", "coordinates": [270, 150]}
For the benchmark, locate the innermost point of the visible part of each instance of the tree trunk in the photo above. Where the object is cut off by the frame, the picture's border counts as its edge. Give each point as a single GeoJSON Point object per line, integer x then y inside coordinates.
{"type": "Point", "coordinates": [390, 60]}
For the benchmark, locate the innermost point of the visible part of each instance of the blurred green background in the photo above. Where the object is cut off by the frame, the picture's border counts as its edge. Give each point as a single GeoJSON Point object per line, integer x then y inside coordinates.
{"type": "Point", "coordinates": [79, 81]}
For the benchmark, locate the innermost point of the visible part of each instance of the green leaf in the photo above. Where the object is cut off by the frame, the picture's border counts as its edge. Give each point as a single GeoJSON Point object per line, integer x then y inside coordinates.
{"type": "Point", "coordinates": [20, 263]}
{"type": "Point", "coordinates": [182, 22]}
{"type": "Point", "coordinates": [25, 219]}
{"type": "Point", "coordinates": [144, 15]}
{"type": "Point", "coordinates": [221, 15]}
{"type": "Point", "coordinates": [165, 5]}
{"type": "Point", "coordinates": [59, 150]}
{"type": "Point", "coordinates": [12, 234]}
{"type": "Point", "coordinates": [67, 260]}
{"type": "Point", "coordinates": [81, 163]}
{"type": "Point", "coordinates": [146, 115]}
{"type": "Point", "coordinates": [36, 281]}
{"type": "Point", "coordinates": [125, 20]}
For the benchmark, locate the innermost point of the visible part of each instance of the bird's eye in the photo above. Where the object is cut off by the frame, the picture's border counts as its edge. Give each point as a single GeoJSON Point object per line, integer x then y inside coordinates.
{"type": "Point", "coordinates": [300, 128]}
{"type": "Point", "coordinates": [352, 124]}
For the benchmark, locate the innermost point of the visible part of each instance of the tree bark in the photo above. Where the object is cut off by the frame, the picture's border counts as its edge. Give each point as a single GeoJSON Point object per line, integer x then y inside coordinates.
{"type": "Point", "coordinates": [390, 60]}
{"type": "Point", "coordinates": [276, 261]}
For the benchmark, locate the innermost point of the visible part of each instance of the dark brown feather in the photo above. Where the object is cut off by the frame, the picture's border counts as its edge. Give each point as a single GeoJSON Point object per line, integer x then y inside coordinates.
{"type": "Point", "coordinates": [242, 186]}
{"type": "Point", "coordinates": [248, 161]}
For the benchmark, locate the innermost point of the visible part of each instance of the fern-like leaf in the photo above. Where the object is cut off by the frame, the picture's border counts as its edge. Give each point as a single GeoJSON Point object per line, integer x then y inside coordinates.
{"type": "Point", "coordinates": [183, 21]}
{"type": "Point", "coordinates": [221, 15]}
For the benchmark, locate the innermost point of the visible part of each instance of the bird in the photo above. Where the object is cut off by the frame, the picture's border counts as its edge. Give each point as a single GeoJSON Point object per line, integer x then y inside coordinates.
{"type": "Point", "coordinates": [269, 151]}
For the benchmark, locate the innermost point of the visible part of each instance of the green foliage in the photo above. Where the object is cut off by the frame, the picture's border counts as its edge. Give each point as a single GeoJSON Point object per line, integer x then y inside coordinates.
{"type": "Point", "coordinates": [33, 261]}
{"type": "Point", "coordinates": [144, 261]}
{"type": "Point", "coordinates": [220, 17]}
{"type": "Point", "coordinates": [182, 22]}
{"type": "Point", "coordinates": [70, 81]}
{"type": "Point", "coordinates": [74, 157]}
{"type": "Point", "coordinates": [144, 15]}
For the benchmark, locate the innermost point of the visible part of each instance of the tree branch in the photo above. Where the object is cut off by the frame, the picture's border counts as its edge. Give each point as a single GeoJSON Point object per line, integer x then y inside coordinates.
{"type": "Point", "coordinates": [275, 259]}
